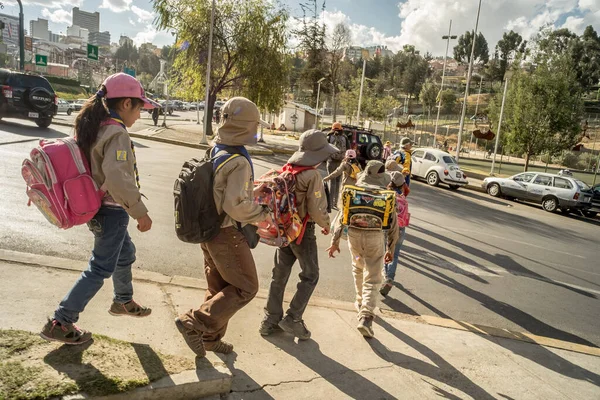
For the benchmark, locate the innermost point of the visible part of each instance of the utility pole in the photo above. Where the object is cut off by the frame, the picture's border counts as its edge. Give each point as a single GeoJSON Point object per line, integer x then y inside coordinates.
{"type": "Point", "coordinates": [207, 122]}
{"type": "Point", "coordinates": [499, 124]}
{"type": "Point", "coordinates": [447, 37]}
{"type": "Point", "coordinates": [318, 94]}
{"type": "Point", "coordinates": [476, 110]}
{"type": "Point", "coordinates": [21, 37]}
{"type": "Point", "coordinates": [469, 74]}
{"type": "Point", "coordinates": [362, 82]}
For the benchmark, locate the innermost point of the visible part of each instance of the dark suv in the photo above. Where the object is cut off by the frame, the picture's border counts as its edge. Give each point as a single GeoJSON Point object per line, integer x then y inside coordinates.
{"type": "Point", "coordinates": [367, 144]}
{"type": "Point", "coordinates": [27, 96]}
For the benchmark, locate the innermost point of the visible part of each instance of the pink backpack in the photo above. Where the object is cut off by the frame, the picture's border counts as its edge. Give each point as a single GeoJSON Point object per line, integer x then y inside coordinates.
{"type": "Point", "coordinates": [402, 209]}
{"type": "Point", "coordinates": [60, 184]}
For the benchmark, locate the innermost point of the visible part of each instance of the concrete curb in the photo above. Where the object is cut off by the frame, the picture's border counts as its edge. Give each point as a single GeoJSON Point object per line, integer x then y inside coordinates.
{"type": "Point", "coordinates": [194, 283]}
{"type": "Point", "coordinates": [188, 385]}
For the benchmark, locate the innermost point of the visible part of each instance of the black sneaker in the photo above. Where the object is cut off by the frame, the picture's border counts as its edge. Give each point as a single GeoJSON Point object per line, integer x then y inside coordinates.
{"type": "Point", "coordinates": [365, 327]}
{"type": "Point", "coordinates": [64, 333]}
{"type": "Point", "coordinates": [386, 287]}
{"type": "Point", "coordinates": [296, 328]}
{"type": "Point", "coordinates": [267, 328]}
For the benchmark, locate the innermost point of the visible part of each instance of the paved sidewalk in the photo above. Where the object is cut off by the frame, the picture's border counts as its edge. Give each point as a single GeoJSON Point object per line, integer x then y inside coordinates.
{"type": "Point", "coordinates": [408, 358]}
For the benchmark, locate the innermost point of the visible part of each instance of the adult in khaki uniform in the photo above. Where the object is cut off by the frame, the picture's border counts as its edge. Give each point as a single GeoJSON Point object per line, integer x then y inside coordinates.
{"type": "Point", "coordinates": [311, 201]}
{"type": "Point", "coordinates": [228, 263]}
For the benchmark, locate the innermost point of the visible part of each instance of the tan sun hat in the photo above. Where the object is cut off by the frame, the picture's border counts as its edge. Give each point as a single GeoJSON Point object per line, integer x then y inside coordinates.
{"type": "Point", "coordinates": [241, 119]}
{"type": "Point", "coordinates": [314, 149]}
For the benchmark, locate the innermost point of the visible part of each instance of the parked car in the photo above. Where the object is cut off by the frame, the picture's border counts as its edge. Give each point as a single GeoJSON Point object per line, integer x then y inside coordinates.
{"type": "Point", "coordinates": [27, 96]}
{"type": "Point", "coordinates": [218, 105]}
{"type": "Point", "coordinates": [78, 104]}
{"type": "Point", "coordinates": [595, 209]}
{"type": "Point", "coordinates": [164, 105]}
{"type": "Point", "coordinates": [368, 145]}
{"type": "Point", "coordinates": [64, 106]}
{"type": "Point", "coordinates": [553, 192]}
{"type": "Point", "coordinates": [437, 166]}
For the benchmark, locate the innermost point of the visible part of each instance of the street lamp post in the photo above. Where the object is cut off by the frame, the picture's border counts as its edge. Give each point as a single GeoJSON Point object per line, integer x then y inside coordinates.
{"type": "Point", "coordinates": [207, 122]}
{"type": "Point", "coordinates": [500, 122]}
{"type": "Point", "coordinates": [447, 37]}
{"type": "Point", "coordinates": [476, 111]}
{"type": "Point", "coordinates": [318, 93]}
{"type": "Point", "coordinates": [469, 74]}
{"type": "Point", "coordinates": [21, 37]}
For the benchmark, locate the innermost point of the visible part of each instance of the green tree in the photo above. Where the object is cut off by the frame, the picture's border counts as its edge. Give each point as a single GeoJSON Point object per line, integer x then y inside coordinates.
{"type": "Point", "coordinates": [248, 48]}
{"type": "Point", "coordinates": [428, 96]}
{"type": "Point", "coordinates": [542, 111]}
{"type": "Point", "coordinates": [462, 51]}
{"type": "Point", "coordinates": [340, 39]}
{"type": "Point", "coordinates": [129, 53]}
{"type": "Point", "coordinates": [312, 42]}
{"type": "Point", "coordinates": [448, 101]}
{"type": "Point", "coordinates": [510, 43]}
{"type": "Point", "coordinates": [585, 54]}
{"type": "Point", "coordinates": [349, 97]}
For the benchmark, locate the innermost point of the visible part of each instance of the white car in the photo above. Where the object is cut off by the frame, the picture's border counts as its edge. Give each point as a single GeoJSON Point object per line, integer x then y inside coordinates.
{"type": "Point", "coordinates": [437, 166]}
{"type": "Point", "coordinates": [64, 106]}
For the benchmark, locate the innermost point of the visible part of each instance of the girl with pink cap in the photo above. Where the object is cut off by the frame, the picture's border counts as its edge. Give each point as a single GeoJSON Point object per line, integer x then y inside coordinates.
{"type": "Point", "coordinates": [101, 133]}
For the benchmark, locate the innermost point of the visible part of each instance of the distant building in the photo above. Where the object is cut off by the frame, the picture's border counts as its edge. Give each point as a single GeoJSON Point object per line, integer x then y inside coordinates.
{"type": "Point", "coordinates": [99, 38]}
{"type": "Point", "coordinates": [150, 48]}
{"type": "Point", "coordinates": [379, 51]}
{"type": "Point", "coordinates": [86, 20]}
{"type": "Point", "coordinates": [39, 29]}
{"type": "Point", "coordinates": [125, 39]}
{"type": "Point", "coordinates": [55, 38]}
{"type": "Point", "coordinates": [10, 33]}
{"type": "Point", "coordinates": [353, 53]}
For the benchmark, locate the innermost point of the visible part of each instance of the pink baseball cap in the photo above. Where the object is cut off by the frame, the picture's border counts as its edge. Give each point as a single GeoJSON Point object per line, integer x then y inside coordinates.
{"type": "Point", "coordinates": [123, 85]}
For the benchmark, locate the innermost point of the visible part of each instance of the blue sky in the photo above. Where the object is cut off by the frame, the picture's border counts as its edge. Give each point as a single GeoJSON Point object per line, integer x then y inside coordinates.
{"type": "Point", "coordinates": [372, 22]}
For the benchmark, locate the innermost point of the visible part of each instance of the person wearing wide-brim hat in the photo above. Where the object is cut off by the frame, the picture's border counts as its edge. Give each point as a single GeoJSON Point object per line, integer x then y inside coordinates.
{"type": "Point", "coordinates": [312, 204]}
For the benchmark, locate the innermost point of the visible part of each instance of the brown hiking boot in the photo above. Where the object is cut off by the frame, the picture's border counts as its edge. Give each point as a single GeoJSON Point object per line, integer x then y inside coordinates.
{"type": "Point", "coordinates": [131, 309]}
{"type": "Point", "coordinates": [64, 333]}
{"type": "Point", "coordinates": [386, 287]}
{"type": "Point", "coordinates": [267, 328]}
{"type": "Point", "coordinates": [218, 346]}
{"type": "Point", "coordinates": [192, 337]}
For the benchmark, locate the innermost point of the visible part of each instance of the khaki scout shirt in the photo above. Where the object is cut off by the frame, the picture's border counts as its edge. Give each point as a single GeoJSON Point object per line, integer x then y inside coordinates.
{"type": "Point", "coordinates": [234, 193]}
{"type": "Point", "coordinates": [112, 160]}
{"type": "Point", "coordinates": [310, 197]}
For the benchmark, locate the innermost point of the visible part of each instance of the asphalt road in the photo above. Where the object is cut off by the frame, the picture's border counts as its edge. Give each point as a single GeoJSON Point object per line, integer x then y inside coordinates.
{"type": "Point", "coordinates": [467, 256]}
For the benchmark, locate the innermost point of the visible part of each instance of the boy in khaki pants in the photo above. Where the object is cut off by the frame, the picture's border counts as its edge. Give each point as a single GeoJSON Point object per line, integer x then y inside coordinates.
{"type": "Point", "coordinates": [369, 248]}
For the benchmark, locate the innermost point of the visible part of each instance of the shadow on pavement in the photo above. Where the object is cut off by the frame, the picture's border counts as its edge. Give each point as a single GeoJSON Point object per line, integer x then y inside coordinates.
{"type": "Point", "coordinates": [501, 260]}
{"type": "Point", "coordinates": [242, 382]}
{"type": "Point", "coordinates": [351, 383]}
{"type": "Point", "coordinates": [442, 371]}
{"type": "Point", "coordinates": [486, 217]}
{"type": "Point", "coordinates": [30, 131]}
{"type": "Point", "coordinates": [527, 321]}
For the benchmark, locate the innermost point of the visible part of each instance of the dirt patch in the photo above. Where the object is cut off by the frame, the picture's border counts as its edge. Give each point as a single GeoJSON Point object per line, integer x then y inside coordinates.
{"type": "Point", "coordinates": [31, 368]}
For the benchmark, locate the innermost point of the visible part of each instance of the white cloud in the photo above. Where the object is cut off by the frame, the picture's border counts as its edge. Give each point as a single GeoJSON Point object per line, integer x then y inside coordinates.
{"type": "Point", "coordinates": [116, 6]}
{"type": "Point", "coordinates": [143, 15]}
{"type": "Point", "coordinates": [150, 34]}
{"type": "Point", "coordinates": [58, 16]}
{"type": "Point", "coordinates": [423, 22]}
{"type": "Point", "coordinates": [132, 22]}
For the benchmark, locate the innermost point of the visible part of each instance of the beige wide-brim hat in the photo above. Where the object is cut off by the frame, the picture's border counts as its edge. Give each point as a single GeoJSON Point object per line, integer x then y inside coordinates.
{"type": "Point", "coordinates": [241, 119]}
{"type": "Point", "coordinates": [314, 149]}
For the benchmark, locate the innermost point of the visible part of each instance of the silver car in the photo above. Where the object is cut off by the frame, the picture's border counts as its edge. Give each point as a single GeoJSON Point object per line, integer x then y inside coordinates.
{"type": "Point", "coordinates": [553, 192]}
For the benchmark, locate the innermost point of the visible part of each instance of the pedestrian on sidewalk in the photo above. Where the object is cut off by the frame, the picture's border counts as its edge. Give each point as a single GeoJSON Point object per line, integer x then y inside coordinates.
{"type": "Point", "coordinates": [155, 115]}
{"type": "Point", "coordinates": [370, 246]}
{"type": "Point", "coordinates": [348, 170]}
{"type": "Point", "coordinates": [101, 132]}
{"type": "Point", "coordinates": [387, 151]}
{"type": "Point", "coordinates": [337, 138]}
{"type": "Point", "coordinates": [406, 146]}
{"type": "Point", "coordinates": [398, 185]}
{"type": "Point", "coordinates": [311, 202]}
{"type": "Point", "coordinates": [228, 263]}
